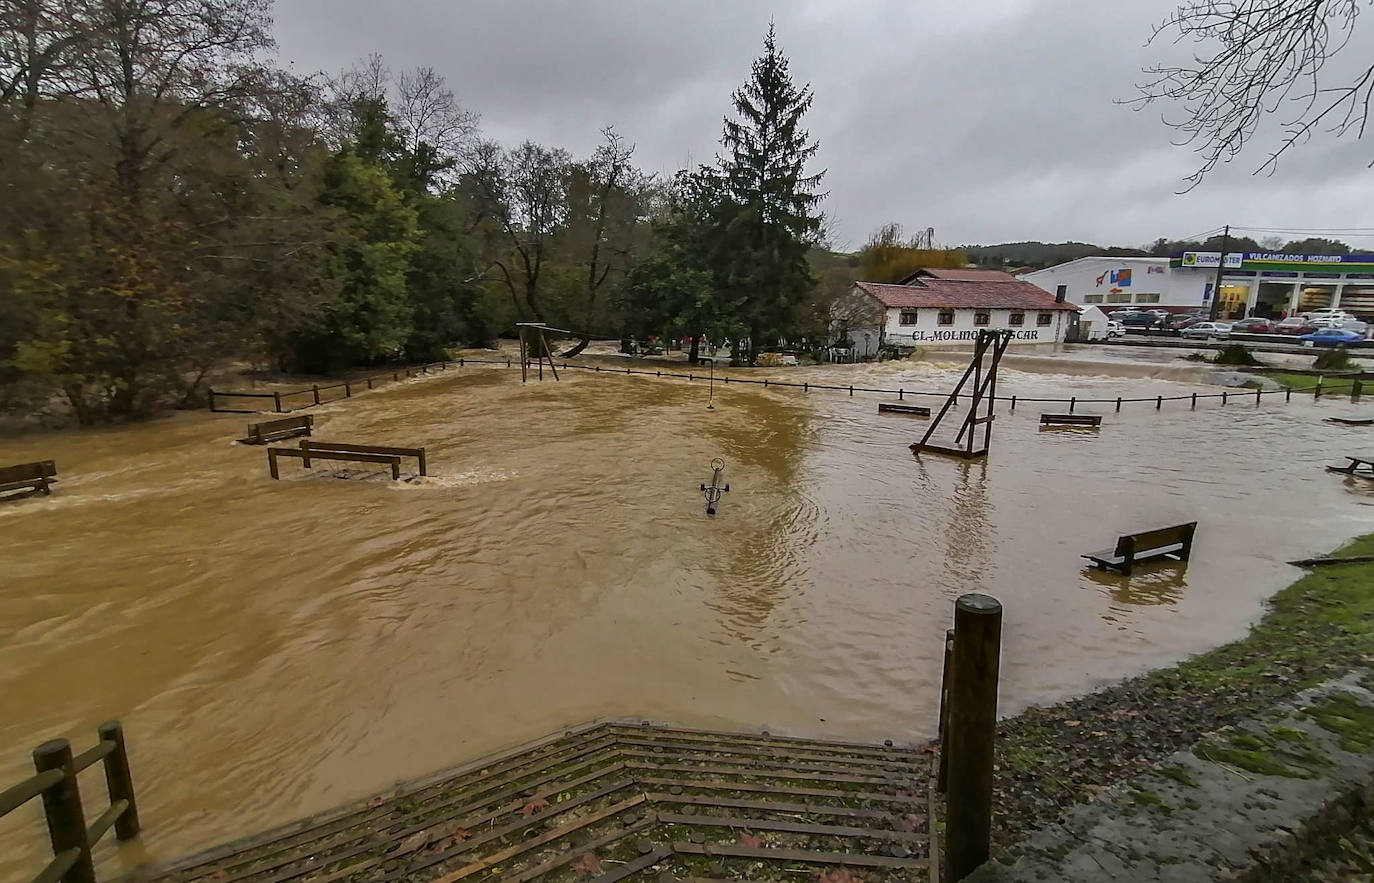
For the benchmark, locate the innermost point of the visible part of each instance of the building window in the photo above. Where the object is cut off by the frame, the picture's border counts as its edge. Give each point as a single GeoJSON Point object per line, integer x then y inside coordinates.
{"type": "Point", "coordinates": [981, 317]}
{"type": "Point", "coordinates": [1061, 292]}
{"type": "Point", "coordinates": [1092, 298]}
{"type": "Point", "coordinates": [1147, 298]}
{"type": "Point", "coordinates": [1122, 298]}
{"type": "Point", "coordinates": [908, 317]}
{"type": "Point", "coordinates": [946, 317]}
{"type": "Point", "coordinates": [1044, 318]}
{"type": "Point", "coordinates": [1016, 319]}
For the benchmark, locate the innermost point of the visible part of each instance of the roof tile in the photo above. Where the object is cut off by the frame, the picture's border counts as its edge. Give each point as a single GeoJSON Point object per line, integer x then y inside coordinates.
{"type": "Point", "coordinates": [956, 294]}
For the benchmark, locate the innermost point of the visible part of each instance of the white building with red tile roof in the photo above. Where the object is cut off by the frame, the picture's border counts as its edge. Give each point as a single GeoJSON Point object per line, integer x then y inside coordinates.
{"type": "Point", "coordinates": [948, 306]}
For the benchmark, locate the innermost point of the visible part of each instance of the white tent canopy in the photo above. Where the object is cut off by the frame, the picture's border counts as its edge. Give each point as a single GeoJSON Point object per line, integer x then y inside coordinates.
{"type": "Point", "coordinates": [1092, 324]}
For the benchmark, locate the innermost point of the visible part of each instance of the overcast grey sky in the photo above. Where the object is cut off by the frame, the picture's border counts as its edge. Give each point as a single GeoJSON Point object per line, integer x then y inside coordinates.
{"type": "Point", "coordinates": [990, 120]}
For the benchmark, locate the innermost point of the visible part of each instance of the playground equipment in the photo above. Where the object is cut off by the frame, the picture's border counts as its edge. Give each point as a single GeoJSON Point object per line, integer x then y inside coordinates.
{"type": "Point", "coordinates": [713, 491]}
{"type": "Point", "coordinates": [984, 388]}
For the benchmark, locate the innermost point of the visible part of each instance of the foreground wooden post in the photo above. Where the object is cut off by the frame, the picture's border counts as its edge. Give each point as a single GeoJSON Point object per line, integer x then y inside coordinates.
{"type": "Point", "coordinates": [62, 808]}
{"type": "Point", "coordinates": [119, 780]}
{"type": "Point", "coordinates": [276, 401]}
{"type": "Point", "coordinates": [316, 389]}
{"type": "Point", "coordinates": [973, 725]}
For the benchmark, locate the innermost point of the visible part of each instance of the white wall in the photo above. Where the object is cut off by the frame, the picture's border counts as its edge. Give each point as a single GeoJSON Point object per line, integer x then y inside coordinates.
{"type": "Point", "coordinates": [929, 330]}
{"type": "Point", "coordinates": [1089, 281]}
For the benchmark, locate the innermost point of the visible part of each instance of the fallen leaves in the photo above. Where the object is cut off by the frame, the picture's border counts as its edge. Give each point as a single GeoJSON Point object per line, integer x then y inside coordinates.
{"type": "Point", "coordinates": [909, 823]}
{"type": "Point", "coordinates": [840, 876]}
{"type": "Point", "coordinates": [1073, 723]}
{"type": "Point", "coordinates": [587, 866]}
{"type": "Point", "coordinates": [536, 805]}
{"type": "Point", "coordinates": [439, 836]}
{"type": "Point", "coordinates": [750, 840]}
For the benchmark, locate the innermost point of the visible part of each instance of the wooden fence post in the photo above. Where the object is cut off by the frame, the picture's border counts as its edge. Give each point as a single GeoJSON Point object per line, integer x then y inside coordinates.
{"type": "Point", "coordinates": [212, 400]}
{"type": "Point", "coordinates": [276, 400]}
{"type": "Point", "coordinates": [348, 389]}
{"type": "Point", "coordinates": [1355, 388]}
{"type": "Point", "coordinates": [973, 726]}
{"type": "Point", "coordinates": [62, 808]}
{"type": "Point", "coordinates": [119, 780]}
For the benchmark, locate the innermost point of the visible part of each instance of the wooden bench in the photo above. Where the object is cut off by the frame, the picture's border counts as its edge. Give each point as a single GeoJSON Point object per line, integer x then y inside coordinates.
{"type": "Point", "coordinates": [910, 410]}
{"type": "Point", "coordinates": [315, 448]}
{"type": "Point", "coordinates": [28, 476]}
{"type": "Point", "coordinates": [1167, 542]}
{"type": "Point", "coordinates": [310, 451]}
{"type": "Point", "coordinates": [1355, 466]}
{"type": "Point", "coordinates": [276, 430]}
{"type": "Point", "coordinates": [1070, 420]}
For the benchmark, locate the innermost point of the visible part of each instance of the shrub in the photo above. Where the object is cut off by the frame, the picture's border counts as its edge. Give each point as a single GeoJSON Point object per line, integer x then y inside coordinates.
{"type": "Point", "coordinates": [1235, 354]}
{"type": "Point", "coordinates": [1337, 359]}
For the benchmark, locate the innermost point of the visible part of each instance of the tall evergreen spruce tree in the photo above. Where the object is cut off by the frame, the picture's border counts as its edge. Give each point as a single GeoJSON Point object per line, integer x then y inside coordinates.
{"type": "Point", "coordinates": [764, 172]}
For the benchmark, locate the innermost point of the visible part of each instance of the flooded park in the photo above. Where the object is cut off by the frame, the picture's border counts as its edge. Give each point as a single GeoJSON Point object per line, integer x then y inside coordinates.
{"type": "Point", "coordinates": [274, 648]}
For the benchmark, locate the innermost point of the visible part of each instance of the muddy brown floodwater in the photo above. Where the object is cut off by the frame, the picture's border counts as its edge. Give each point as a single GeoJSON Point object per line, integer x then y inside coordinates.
{"type": "Point", "coordinates": [275, 648]}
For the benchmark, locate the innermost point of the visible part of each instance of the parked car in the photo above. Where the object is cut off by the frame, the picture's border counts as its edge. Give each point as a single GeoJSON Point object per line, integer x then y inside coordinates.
{"type": "Point", "coordinates": [1163, 314]}
{"type": "Point", "coordinates": [1294, 325]}
{"type": "Point", "coordinates": [1253, 325]}
{"type": "Point", "coordinates": [1143, 321]}
{"type": "Point", "coordinates": [1327, 313]}
{"type": "Point", "coordinates": [1207, 330]}
{"type": "Point", "coordinates": [1115, 329]}
{"type": "Point", "coordinates": [1179, 321]}
{"type": "Point", "coordinates": [1331, 337]}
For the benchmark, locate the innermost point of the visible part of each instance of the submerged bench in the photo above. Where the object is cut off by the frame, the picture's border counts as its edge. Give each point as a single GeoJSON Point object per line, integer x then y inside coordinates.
{"type": "Point", "coordinates": [1355, 466]}
{"type": "Point", "coordinates": [1070, 420]}
{"type": "Point", "coordinates": [1348, 421]}
{"type": "Point", "coordinates": [28, 476]}
{"type": "Point", "coordinates": [276, 430]}
{"type": "Point", "coordinates": [315, 450]}
{"type": "Point", "coordinates": [1167, 542]}
{"type": "Point", "coordinates": [912, 410]}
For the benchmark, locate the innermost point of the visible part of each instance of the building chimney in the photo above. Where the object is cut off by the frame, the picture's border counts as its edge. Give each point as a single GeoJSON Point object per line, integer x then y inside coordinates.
{"type": "Point", "coordinates": [1060, 292]}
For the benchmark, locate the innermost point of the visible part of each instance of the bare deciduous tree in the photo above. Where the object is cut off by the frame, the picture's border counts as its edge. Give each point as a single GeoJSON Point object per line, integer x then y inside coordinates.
{"type": "Point", "coordinates": [1262, 58]}
{"type": "Point", "coordinates": [606, 171]}
{"type": "Point", "coordinates": [428, 113]}
{"type": "Point", "coordinates": [523, 191]}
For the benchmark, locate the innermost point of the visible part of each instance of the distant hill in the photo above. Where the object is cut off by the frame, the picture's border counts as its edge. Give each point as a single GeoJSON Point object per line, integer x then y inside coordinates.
{"type": "Point", "coordinates": [1038, 255]}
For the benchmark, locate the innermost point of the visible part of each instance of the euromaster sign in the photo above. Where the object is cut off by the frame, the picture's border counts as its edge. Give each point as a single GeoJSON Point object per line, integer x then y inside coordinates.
{"type": "Point", "coordinates": [1254, 260]}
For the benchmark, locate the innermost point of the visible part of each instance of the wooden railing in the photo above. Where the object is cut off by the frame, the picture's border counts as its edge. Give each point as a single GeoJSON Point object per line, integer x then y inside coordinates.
{"type": "Point", "coordinates": [289, 400]}
{"type": "Point", "coordinates": [55, 783]}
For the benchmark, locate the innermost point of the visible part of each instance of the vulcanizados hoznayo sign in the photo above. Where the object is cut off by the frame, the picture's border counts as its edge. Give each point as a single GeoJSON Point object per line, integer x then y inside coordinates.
{"type": "Point", "coordinates": [1258, 260]}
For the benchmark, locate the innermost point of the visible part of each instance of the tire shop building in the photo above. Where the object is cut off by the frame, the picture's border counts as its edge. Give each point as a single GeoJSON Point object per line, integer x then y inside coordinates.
{"type": "Point", "coordinates": [1252, 283]}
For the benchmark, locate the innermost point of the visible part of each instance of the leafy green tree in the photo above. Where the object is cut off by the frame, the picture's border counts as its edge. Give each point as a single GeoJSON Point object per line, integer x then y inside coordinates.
{"type": "Point", "coordinates": [375, 236]}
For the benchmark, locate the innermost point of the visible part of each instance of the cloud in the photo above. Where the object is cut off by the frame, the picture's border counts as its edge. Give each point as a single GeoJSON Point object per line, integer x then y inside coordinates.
{"type": "Point", "coordinates": [990, 121]}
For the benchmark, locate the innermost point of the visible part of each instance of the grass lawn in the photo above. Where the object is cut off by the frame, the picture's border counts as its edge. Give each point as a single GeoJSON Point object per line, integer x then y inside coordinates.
{"type": "Point", "coordinates": [1304, 382]}
{"type": "Point", "coordinates": [1316, 629]}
